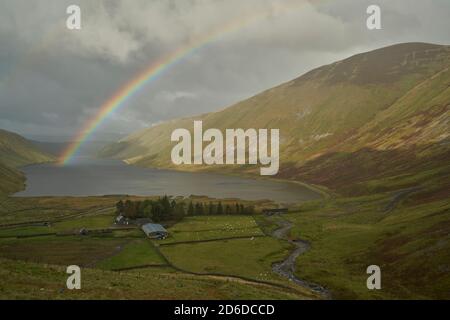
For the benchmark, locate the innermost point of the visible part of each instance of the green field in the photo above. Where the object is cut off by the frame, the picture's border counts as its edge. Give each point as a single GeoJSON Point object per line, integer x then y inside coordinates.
{"type": "Point", "coordinates": [251, 258]}
{"type": "Point", "coordinates": [134, 254]}
{"type": "Point", "coordinates": [213, 227]}
{"type": "Point", "coordinates": [67, 250]}
{"type": "Point", "coordinates": [15, 211]}
{"type": "Point", "coordinates": [67, 226]}
{"type": "Point", "coordinates": [231, 245]}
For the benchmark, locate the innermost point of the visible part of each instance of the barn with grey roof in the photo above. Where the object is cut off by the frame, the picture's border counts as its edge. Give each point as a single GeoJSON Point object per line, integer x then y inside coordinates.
{"type": "Point", "coordinates": [155, 231]}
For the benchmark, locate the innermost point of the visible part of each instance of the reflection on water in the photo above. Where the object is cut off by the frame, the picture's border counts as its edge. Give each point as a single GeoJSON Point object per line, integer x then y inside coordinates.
{"type": "Point", "coordinates": [94, 177]}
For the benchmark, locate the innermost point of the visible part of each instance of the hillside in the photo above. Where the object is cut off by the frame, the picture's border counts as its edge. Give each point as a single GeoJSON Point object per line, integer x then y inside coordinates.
{"type": "Point", "coordinates": [371, 116]}
{"type": "Point", "coordinates": [16, 151]}
{"type": "Point", "coordinates": [12, 180]}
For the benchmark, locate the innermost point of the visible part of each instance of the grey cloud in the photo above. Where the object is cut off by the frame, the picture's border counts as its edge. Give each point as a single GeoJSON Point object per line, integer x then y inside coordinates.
{"type": "Point", "coordinates": [52, 80]}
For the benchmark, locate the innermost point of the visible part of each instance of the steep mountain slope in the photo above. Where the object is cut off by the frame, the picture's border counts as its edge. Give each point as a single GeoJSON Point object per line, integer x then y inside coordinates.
{"type": "Point", "coordinates": [375, 114]}
{"type": "Point", "coordinates": [11, 180]}
{"type": "Point", "coordinates": [16, 151]}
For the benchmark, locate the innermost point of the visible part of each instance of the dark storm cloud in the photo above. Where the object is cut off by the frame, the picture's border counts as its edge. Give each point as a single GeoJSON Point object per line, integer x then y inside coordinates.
{"type": "Point", "coordinates": [52, 80]}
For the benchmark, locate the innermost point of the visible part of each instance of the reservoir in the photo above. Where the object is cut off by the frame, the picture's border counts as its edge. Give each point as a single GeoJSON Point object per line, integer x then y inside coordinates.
{"type": "Point", "coordinates": [86, 176]}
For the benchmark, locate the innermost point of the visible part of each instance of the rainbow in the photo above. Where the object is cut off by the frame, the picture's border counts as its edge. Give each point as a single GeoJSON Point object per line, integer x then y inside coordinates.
{"type": "Point", "coordinates": [152, 73]}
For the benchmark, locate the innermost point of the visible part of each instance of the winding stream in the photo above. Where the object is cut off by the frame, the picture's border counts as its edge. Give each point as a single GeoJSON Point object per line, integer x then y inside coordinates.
{"type": "Point", "coordinates": [286, 268]}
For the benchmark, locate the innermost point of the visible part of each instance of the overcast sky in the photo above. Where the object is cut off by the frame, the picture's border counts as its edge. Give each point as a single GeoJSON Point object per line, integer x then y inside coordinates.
{"type": "Point", "coordinates": [52, 80]}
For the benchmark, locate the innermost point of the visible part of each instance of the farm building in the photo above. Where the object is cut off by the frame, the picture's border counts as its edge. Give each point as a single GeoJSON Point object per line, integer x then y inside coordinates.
{"type": "Point", "coordinates": [121, 220]}
{"type": "Point", "coordinates": [155, 231]}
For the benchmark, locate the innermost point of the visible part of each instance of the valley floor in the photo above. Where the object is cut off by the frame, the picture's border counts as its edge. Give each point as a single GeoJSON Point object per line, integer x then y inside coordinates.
{"type": "Point", "coordinates": [207, 257]}
{"type": "Point", "coordinates": [229, 257]}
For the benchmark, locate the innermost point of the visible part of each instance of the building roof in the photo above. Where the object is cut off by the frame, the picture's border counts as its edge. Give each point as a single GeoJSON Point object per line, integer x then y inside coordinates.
{"type": "Point", "coordinates": [151, 228]}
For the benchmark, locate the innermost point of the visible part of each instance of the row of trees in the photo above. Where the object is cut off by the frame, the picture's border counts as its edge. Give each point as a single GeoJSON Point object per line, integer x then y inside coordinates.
{"type": "Point", "coordinates": [157, 210]}
{"type": "Point", "coordinates": [165, 208]}
{"type": "Point", "coordinates": [211, 208]}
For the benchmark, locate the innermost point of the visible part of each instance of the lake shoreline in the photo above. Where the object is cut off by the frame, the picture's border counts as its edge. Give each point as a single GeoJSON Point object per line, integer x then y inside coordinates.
{"type": "Point", "coordinates": [88, 177]}
{"type": "Point", "coordinates": [323, 191]}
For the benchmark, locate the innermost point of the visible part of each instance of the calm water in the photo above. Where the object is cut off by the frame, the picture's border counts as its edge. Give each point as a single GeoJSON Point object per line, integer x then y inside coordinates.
{"type": "Point", "coordinates": [93, 177]}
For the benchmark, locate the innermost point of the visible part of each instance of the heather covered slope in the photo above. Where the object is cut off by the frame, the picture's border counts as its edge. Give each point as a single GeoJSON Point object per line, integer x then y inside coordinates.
{"type": "Point", "coordinates": [16, 151]}
{"type": "Point", "coordinates": [379, 112]}
{"type": "Point", "coordinates": [410, 136]}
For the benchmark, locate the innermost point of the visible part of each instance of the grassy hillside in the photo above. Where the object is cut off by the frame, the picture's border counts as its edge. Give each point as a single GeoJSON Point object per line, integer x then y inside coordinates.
{"type": "Point", "coordinates": [26, 280]}
{"type": "Point", "coordinates": [16, 151]}
{"type": "Point", "coordinates": [12, 180]}
{"type": "Point", "coordinates": [372, 115]}
{"type": "Point", "coordinates": [408, 239]}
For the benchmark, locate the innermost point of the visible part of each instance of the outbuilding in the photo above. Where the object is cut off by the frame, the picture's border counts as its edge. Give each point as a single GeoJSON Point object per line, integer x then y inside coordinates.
{"type": "Point", "coordinates": [155, 231]}
{"type": "Point", "coordinates": [121, 220]}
